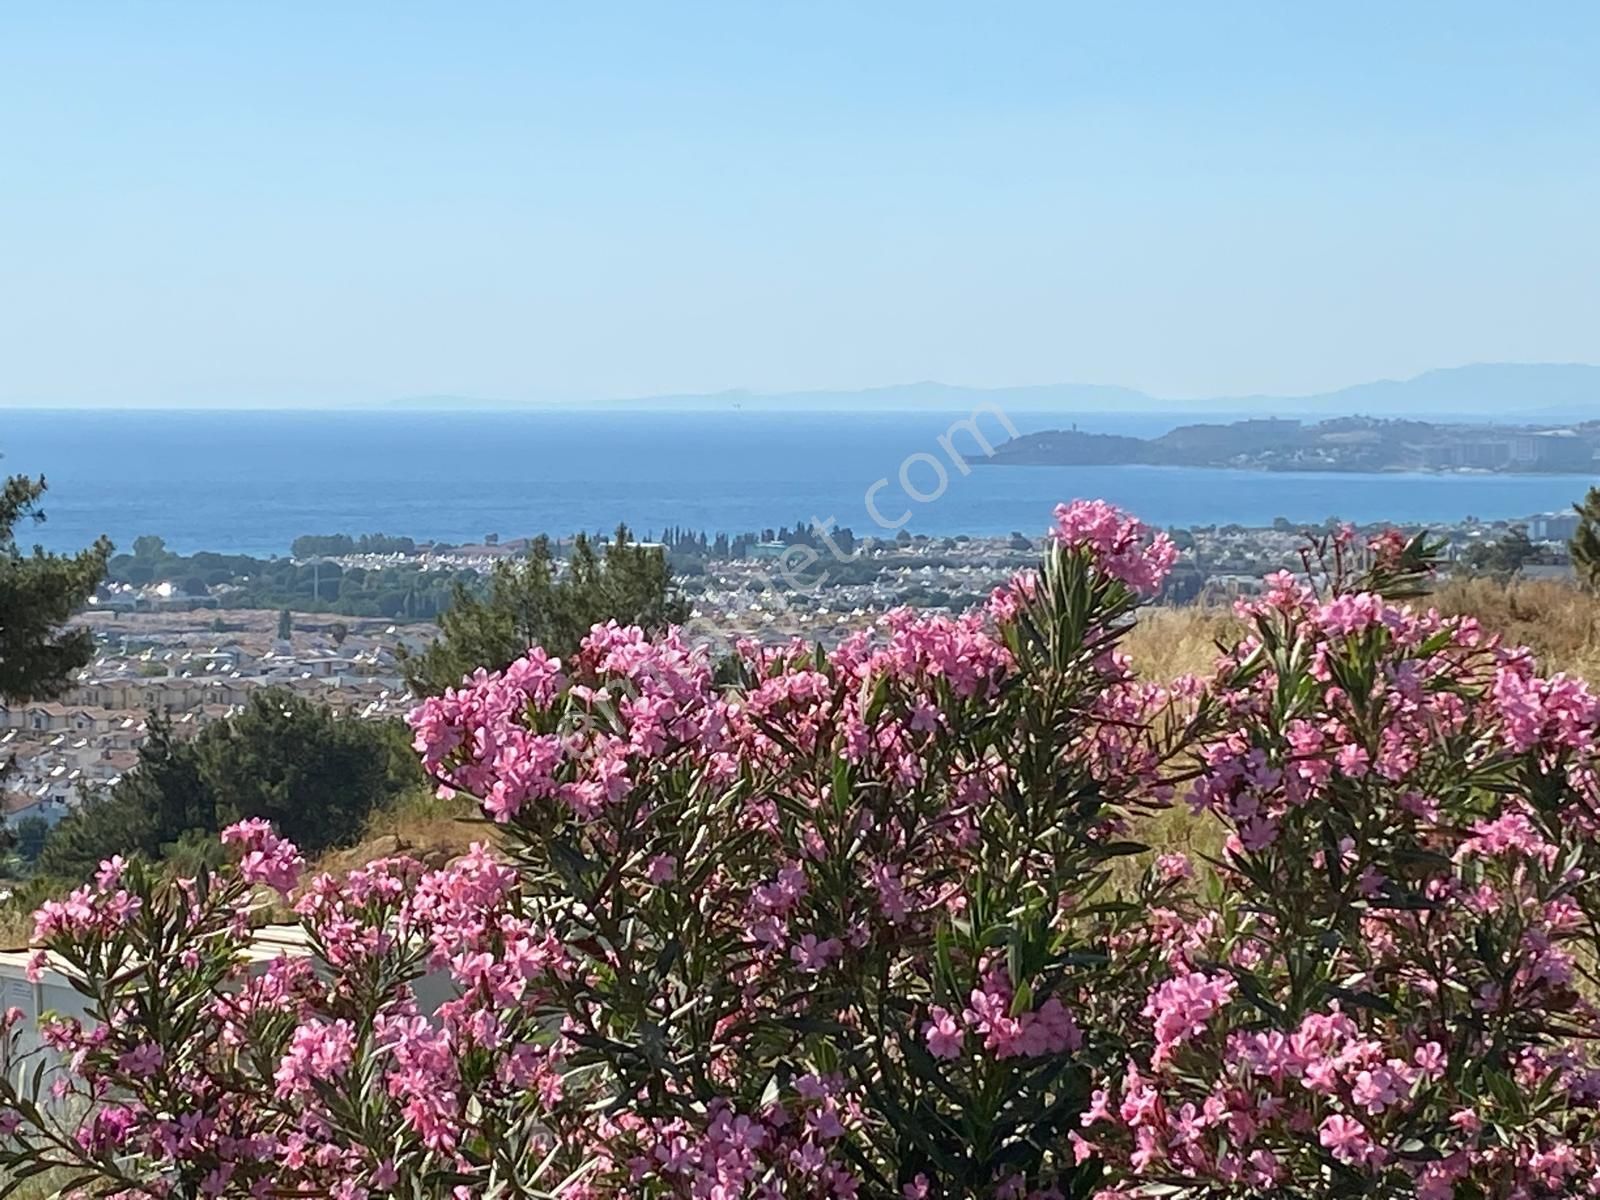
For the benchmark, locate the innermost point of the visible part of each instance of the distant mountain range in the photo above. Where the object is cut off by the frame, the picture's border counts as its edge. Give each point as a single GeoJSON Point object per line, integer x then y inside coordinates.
{"type": "Point", "coordinates": [1501, 391]}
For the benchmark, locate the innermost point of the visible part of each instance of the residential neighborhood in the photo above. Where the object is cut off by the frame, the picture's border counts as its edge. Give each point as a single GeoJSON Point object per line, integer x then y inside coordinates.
{"type": "Point", "coordinates": [191, 667]}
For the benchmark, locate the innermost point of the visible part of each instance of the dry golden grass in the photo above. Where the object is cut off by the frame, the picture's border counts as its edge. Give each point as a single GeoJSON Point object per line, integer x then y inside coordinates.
{"type": "Point", "coordinates": [1560, 623]}
{"type": "Point", "coordinates": [420, 825]}
{"type": "Point", "coordinates": [1171, 642]}
{"type": "Point", "coordinates": [41, 1187]}
{"type": "Point", "coordinates": [16, 924]}
{"type": "Point", "coordinates": [1166, 644]}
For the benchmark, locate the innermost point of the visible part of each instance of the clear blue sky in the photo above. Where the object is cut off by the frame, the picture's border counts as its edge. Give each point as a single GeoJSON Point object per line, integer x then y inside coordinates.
{"type": "Point", "coordinates": [298, 203]}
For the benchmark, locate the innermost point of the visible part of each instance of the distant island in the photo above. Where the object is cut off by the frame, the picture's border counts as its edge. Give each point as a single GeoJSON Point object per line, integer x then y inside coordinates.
{"type": "Point", "coordinates": [1340, 444]}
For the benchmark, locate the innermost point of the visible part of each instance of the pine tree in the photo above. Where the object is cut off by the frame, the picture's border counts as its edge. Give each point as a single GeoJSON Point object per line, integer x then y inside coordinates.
{"type": "Point", "coordinates": [39, 593]}
{"type": "Point", "coordinates": [525, 604]}
{"type": "Point", "coordinates": [1585, 545]}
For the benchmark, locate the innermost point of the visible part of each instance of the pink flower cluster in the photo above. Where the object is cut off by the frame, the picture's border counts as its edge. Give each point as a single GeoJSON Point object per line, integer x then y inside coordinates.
{"type": "Point", "coordinates": [1121, 545]}
{"type": "Point", "coordinates": [267, 858]}
{"type": "Point", "coordinates": [258, 1096]}
{"type": "Point", "coordinates": [637, 701]}
{"type": "Point", "coordinates": [1180, 1007]}
{"type": "Point", "coordinates": [1047, 1030]}
{"type": "Point", "coordinates": [789, 1148]}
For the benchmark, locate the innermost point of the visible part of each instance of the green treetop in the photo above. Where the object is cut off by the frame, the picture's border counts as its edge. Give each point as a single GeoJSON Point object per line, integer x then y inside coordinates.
{"type": "Point", "coordinates": [39, 592]}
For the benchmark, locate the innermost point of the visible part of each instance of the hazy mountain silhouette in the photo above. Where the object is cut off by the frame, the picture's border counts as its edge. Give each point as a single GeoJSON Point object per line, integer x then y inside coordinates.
{"type": "Point", "coordinates": [1504, 391]}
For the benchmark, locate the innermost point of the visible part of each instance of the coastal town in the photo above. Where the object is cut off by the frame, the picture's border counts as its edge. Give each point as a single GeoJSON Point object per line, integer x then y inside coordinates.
{"type": "Point", "coordinates": [197, 658]}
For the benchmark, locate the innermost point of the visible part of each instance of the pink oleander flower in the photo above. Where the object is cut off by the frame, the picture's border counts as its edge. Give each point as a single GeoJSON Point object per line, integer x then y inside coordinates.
{"type": "Point", "coordinates": [1121, 544]}
{"type": "Point", "coordinates": [1510, 833]}
{"type": "Point", "coordinates": [267, 858]}
{"type": "Point", "coordinates": [142, 1061]}
{"type": "Point", "coordinates": [1180, 1008]}
{"type": "Point", "coordinates": [1174, 866]}
{"type": "Point", "coordinates": [944, 1034]}
{"type": "Point", "coordinates": [318, 1051]}
{"type": "Point", "coordinates": [1347, 1140]}
{"type": "Point", "coordinates": [813, 954]}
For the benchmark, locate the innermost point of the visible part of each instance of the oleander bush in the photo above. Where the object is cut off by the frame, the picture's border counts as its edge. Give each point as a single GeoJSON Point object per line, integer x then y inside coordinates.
{"type": "Point", "coordinates": [1390, 991]}
{"type": "Point", "coordinates": [871, 923]}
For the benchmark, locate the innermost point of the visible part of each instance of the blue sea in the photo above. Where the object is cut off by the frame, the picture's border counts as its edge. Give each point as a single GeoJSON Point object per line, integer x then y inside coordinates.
{"type": "Point", "coordinates": [251, 482]}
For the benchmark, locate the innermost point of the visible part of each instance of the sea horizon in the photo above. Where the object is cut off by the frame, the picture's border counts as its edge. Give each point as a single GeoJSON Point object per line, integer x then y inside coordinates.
{"type": "Point", "coordinates": [457, 476]}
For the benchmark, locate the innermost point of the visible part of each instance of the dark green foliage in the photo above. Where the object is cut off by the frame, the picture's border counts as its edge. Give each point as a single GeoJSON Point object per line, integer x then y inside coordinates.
{"type": "Point", "coordinates": [315, 776]}
{"type": "Point", "coordinates": [1585, 545]}
{"type": "Point", "coordinates": [527, 603]}
{"type": "Point", "coordinates": [39, 592]}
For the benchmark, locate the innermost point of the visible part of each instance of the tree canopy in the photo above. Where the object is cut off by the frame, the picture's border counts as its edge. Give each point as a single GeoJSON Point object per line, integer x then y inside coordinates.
{"type": "Point", "coordinates": [1585, 545]}
{"type": "Point", "coordinates": [39, 592]}
{"type": "Point", "coordinates": [528, 602]}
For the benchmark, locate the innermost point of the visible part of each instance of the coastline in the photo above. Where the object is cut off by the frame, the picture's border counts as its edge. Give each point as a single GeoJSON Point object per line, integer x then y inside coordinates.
{"type": "Point", "coordinates": [1302, 469]}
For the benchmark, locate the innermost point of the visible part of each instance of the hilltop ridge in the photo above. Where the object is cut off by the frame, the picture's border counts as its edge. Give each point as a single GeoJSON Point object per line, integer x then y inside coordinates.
{"type": "Point", "coordinates": [1339, 444]}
